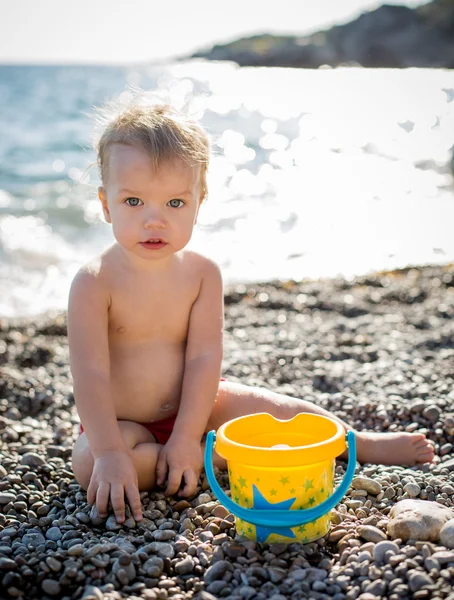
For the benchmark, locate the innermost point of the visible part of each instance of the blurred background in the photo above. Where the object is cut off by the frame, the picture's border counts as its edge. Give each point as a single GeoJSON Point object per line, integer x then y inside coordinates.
{"type": "Point", "coordinates": [332, 124]}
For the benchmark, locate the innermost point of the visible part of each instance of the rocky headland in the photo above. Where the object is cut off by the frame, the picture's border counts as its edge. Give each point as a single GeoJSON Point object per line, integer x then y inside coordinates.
{"type": "Point", "coordinates": [377, 350]}
{"type": "Point", "coordinates": [390, 36]}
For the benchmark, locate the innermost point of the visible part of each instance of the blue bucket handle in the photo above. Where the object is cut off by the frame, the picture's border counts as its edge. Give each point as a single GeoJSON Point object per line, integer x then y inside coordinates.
{"type": "Point", "coordinates": [280, 517]}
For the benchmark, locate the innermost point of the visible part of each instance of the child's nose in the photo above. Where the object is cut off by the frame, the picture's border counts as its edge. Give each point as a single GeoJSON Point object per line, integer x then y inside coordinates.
{"type": "Point", "coordinates": [154, 219]}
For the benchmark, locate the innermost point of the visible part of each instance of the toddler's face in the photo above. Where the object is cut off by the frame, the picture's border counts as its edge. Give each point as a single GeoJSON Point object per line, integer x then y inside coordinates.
{"type": "Point", "coordinates": [152, 212]}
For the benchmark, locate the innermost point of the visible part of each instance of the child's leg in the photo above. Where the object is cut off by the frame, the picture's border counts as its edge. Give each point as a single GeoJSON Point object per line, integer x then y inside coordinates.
{"type": "Point", "coordinates": [234, 400]}
{"type": "Point", "coordinates": [144, 452]}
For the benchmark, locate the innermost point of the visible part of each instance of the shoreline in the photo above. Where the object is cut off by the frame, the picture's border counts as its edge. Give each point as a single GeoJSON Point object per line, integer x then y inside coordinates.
{"type": "Point", "coordinates": [377, 350]}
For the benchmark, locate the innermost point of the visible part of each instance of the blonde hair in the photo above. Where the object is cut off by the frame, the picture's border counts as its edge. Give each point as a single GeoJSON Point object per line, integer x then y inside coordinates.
{"type": "Point", "coordinates": [160, 130]}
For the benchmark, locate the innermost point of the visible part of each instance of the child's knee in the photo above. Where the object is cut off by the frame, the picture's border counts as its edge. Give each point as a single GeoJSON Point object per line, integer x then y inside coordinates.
{"type": "Point", "coordinates": [82, 462]}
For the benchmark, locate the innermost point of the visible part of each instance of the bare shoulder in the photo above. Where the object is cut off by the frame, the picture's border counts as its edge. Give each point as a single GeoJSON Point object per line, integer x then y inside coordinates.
{"type": "Point", "coordinates": [97, 272]}
{"type": "Point", "coordinates": [90, 281]}
{"type": "Point", "coordinates": [203, 266]}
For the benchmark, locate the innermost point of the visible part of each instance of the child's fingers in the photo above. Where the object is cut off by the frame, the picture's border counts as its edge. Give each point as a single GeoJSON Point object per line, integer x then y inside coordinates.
{"type": "Point", "coordinates": [174, 481]}
{"type": "Point", "coordinates": [117, 496]}
{"type": "Point", "coordinates": [191, 481]}
{"type": "Point", "coordinates": [91, 492]}
{"type": "Point", "coordinates": [132, 493]}
{"type": "Point", "coordinates": [102, 498]}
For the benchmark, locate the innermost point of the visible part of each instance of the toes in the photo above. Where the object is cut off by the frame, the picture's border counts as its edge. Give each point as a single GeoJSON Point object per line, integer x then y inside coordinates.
{"type": "Point", "coordinates": [417, 438]}
{"type": "Point", "coordinates": [422, 444]}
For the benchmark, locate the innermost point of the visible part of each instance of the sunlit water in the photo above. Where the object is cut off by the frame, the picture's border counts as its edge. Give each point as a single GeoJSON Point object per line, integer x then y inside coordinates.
{"type": "Point", "coordinates": [316, 173]}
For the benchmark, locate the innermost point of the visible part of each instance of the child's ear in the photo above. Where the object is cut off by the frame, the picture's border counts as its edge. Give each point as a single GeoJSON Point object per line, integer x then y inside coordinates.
{"type": "Point", "coordinates": [105, 207]}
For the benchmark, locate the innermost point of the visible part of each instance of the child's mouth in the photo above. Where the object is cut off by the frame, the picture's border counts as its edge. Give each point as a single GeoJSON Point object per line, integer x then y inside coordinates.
{"type": "Point", "coordinates": [153, 244]}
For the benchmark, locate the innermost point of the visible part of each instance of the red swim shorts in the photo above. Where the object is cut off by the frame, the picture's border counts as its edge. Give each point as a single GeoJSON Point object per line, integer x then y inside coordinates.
{"type": "Point", "coordinates": [160, 429]}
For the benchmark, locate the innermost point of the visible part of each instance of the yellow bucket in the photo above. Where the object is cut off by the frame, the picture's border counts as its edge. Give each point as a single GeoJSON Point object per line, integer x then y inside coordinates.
{"type": "Point", "coordinates": [281, 474]}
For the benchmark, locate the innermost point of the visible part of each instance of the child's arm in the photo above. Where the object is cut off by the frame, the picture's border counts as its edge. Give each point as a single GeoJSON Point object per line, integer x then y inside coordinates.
{"type": "Point", "coordinates": [182, 455]}
{"type": "Point", "coordinates": [113, 470]}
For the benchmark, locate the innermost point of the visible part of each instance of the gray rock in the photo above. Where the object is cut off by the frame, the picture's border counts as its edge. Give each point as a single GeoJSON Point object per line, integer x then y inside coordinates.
{"type": "Point", "coordinates": [417, 519]}
{"type": "Point", "coordinates": [432, 413]}
{"type": "Point", "coordinates": [443, 557]}
{"type": "Point", "coordinates": [371, 534]}
{"type": "Point", "coordinates": [33, 538]}
{"type": "Point", "coordinates": [377, 588]}
{"type": "Point", "coordinates": [185, 566]}
{"type": "Point", "coordinates": [365, 483]}
{"type": "Point", "coordinates": [418, 580]}
{"type": "Point", "coordinates": [162, 549]}
{"type": "Point", "coordinates": [51, 587]}
{"type": "Point", "coordinates": [382, 548]}
{"type": "Point", "coordinates": [153, 567]}
{"type": "Point", "coordinates": [164, 535]}
{"type": "Point", "coordinates": [32, 459]}
{"type": "Point", "coordinates": [447, 534]}
{"type": "Point", "coordinates": [92, 592]}
{"type": "Point", "coordinates": [54, 534]}
{"type": "Point", "coordinates": [6, 497]}
{"type": "Point", "coordinates": [412, 489]}
{"type": "Point", "coordinates": [217, 571]}
{"type": "Point", "coordinates": [6, 564]}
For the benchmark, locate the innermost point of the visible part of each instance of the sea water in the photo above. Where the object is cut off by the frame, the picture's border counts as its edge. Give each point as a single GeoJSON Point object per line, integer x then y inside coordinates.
{"type": "Point", "coordinates": [315, 172]}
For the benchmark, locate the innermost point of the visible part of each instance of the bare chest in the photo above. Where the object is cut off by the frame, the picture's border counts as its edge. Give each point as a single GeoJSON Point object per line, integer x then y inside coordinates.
{"type": "Point", "coordinates": [151, 312]}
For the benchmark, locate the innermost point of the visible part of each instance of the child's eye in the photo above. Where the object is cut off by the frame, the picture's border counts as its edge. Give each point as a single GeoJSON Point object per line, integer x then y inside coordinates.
{"type": "Point", "coordinates": [175, 203]}
{"type": "Point", "coordinates": [133, 201]}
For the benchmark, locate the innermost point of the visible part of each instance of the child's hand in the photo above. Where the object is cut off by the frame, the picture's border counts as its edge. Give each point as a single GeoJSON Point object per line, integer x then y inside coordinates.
{"type": "Point", "coordinates": [180, 458]}
{"type": "Point", "coordinates": [114, 475]}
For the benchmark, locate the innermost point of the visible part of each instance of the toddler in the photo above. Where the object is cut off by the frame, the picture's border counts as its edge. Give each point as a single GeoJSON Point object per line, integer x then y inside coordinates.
{"type": "Point", "coordinates": [145, 323]}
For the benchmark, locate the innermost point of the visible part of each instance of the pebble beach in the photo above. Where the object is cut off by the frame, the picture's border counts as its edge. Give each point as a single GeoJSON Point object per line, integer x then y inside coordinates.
{"type": "Point", "coordinates": [377, 350]}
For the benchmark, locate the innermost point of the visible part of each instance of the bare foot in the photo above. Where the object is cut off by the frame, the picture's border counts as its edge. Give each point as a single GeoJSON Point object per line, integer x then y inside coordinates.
{"type": "Point", "coordinates": [397, 448]}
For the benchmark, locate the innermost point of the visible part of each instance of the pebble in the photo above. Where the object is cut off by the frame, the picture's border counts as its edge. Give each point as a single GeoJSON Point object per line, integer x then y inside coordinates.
{"type": "Point", "coordinates": [382, 548]}
{"type": "Point", "coordinates": [418, 580]}
{"type": "Point", "coordinates": [447, 534]}
{"type": "Point", "coordinates": [51, 587]}
{"type": "Point", "coordinates": [418, 520]}
{"type": "Point", "coordinates": [369, 485]}
{"type": "Point", "coordinates": [370, 533]}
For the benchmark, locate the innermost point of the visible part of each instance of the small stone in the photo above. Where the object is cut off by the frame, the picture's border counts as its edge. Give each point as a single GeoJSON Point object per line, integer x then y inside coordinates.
{"type": "Point", "coordinates": [54, 534]}
{"type": "Point", "coordinates": [369, 485]}
{"type": "Point", "coordinates": [432, 413]}
{"type": "Point", "coordinates": [111, 524]}
{"type": "Point", "coordinates": [6, 497]}
{"type": "Point", "coordinates": [76, 550]}
{"type": "Point", "coordinates": [32, 459]}
{"type": "Point", "coordinates": [220, 511]}
{"type": "Point", "coordinates": [276, 574]}
{"type": "Point", "coordinates": [92, 592]}
{"type": "Point", "coordinates": [371, 533]}
{"type": "Point", "coordinates": [448, 464]}
{"type": "Point", "coordinates": [234, 550]}
{"type": "Point", "coordinates": [377, 588]}
{"type": "Point", "coordinates": [153, 567]}
{"type": "Point", "coordinates": [418, 520]}
{"type": "Point", "coordinates": [164, 535]}
{"type": "Point", "coordinates": [417, 580]}
{"type": "Point", "coordinates": [443, 557]}
{"type": "Point", "coordinates": [6, 564]}
{"type": "Point", "coordinates": [162, 549]}
{"type": "Point", "coordinates": [447, 534]}
{"type": "Point", "coordinates": [54, 564]}
{"type": "Point", "coordinates": [185, 566]}
{"type": "Point", "coordinates": [381, 548]}
{"type": "Point", "coordinates": [202, 499]}
{"type": "Point", "coordinates": [412, 489]}
{"type": "Point", "coordinates": [217, 571]}
{"type": "Point", "coordinates": [33, 538]}
{"type": "Point", "coordinates": [51, 587]}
